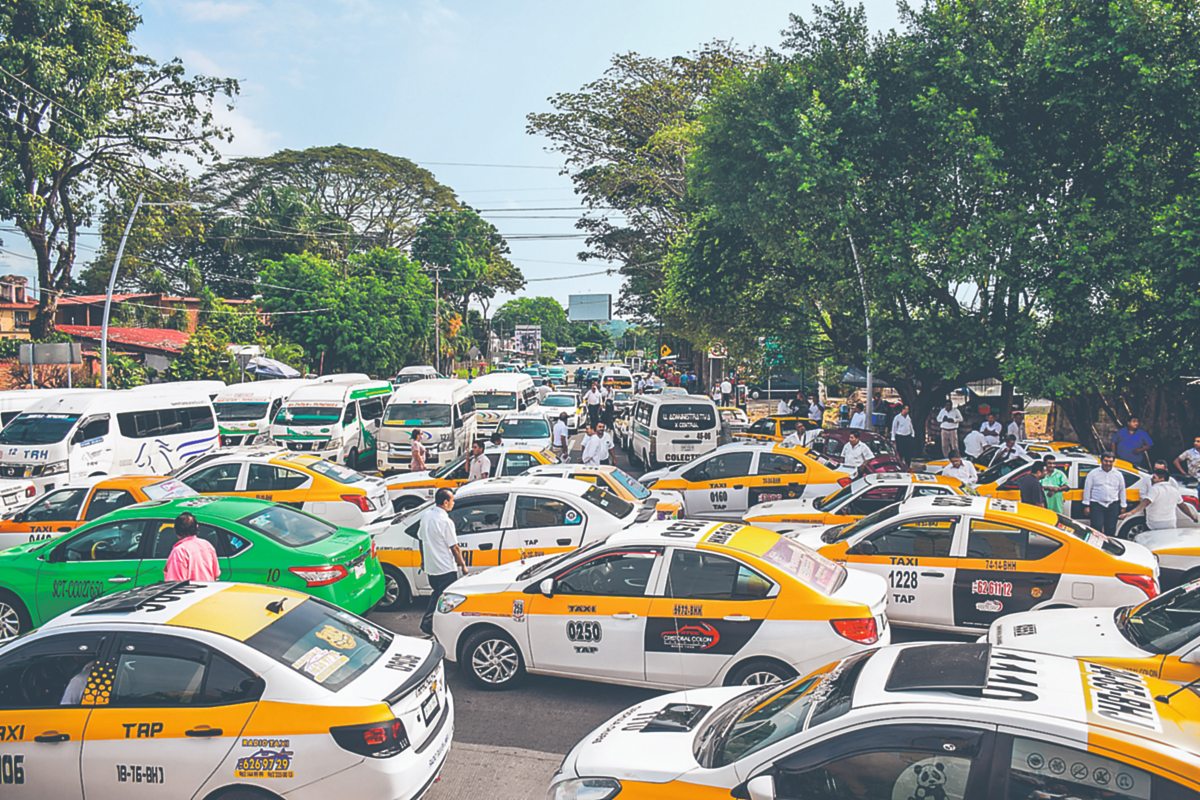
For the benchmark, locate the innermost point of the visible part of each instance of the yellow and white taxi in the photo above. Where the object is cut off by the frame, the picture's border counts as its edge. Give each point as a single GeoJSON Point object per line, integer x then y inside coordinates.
{"type": "Point", "coordinates": [500, 520]}
{"type": "Point", "coordinates": [655, 503]}
{"type": "Point", "coordinates": [777, 427]}
{"type": "Point", "coordinates": [863, 496]}
{"type": "Point", "coordinates": [664, 604]}
{"type": "Point", "coordinates": [934, 721]}
{"type": "Point", "coordinates": [412, 489]}
{"type": "Point", "coordinates": [308, 482]}
{"type": "Point", "coordinates": [1160, 637]}
{"type": "Point", "coordinates": [1177, 551]}
{"type": "Point", "coordinates": [219, 690]}
{"type": "Point", "coordinates": [958, 563]}
{"type": "Point", "coordinates": [723, 484]}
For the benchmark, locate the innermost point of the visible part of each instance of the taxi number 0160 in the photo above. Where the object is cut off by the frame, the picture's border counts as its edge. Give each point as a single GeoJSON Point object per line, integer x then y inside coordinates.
{"type": "Point", "coordinates": [583, 631]}
{"type": "Point", "coordinates": [903, 578]}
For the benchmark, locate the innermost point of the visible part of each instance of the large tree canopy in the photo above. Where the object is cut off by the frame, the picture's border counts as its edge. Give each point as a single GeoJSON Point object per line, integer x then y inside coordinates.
{"type": "Point", "coordinates": [81, 110]}
{"type": "Point", "coordinates": [473, 255]}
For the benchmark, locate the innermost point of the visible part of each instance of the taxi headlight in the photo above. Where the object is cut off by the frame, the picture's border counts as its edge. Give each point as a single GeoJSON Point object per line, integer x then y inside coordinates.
{"type": "Point", "coordinates": [585, 789]}
{"type": "Point", "coordinates": [449, 601]}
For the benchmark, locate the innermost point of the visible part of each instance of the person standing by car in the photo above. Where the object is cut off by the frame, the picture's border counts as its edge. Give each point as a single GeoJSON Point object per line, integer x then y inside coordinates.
{"type": "Point", "coordinates": [904, 435]}
{"type": "Point", "coordinates": [855, 452]}
{"type": "Point", "coordinates": [592, 401]}
{"type": "Point", "coordinates": [974, 443]}
{"type": "Point", "coordinates": [441, 557]}
{"type": "Point", "coordinates": [1029, 483]}
{"type": "Point", "coordinates": [1104, 496]}
{"type": "Point", "coordinates": [609, 446]}
{"type": "Point", "coordinates": [1161, 503]}
{"type": "Point", "coordinates": [991, 430]}
{"type": "Point", "coordinates": [1188, 462]}
{"type": "Point", "coordinates": [595, 449]}
{"type": "Point", "coordinates": [948, 419]}
{"type": "Point", "coordinates": [1054, 485]}
{"type": "Point", "coordinates": [191, 558]}
{"type": "Point", "coordinates": [726, 392]}
{"type": "Point", "coordinates": [1016, 426]}
{"type": "Point", "coordinates": [417, 462]}
{"type": "Point", "coordinates": [561, 436]}
{"type": "Point", "coordinates": [859, 418]}
{"type": "Point", "coordinates": [1010, 451]}
{"type": "Point", "coordinates": [1131, 443]}
{"type": "Point", "coordinates": [796, 437]}
{"type": "Point", "coordinates": [784, 407]}
{"type": "Point", "coordinates": [963, 470]}
{"type": "Point", "coordinates": [479, 466]}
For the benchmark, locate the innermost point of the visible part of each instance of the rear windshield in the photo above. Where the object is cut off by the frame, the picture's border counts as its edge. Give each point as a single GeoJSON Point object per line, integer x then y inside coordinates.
{"type": "Point", "coordinates": [686, 417]}
{"type": "Point", "coordinates": [809, 566]}
{"type": "Point", "coordinates": [411, 415]}
{"type": "Point", "coordinates": [240, 412]}
{"type": "Point", "coordinates": [168, 490]}
{"type": "Point", "coordinates": [496, 402]}
{"type": "Point", "coordinates": [524, 429]}
{"type": "Point", "coordinates": [323, 643]}
{"type": "Point", "coordinates": [308, 415]}
{"type": "Point", "coordinates": [288, 526]}
{"type": "Point", "coordinates": [1165, 623]}
{"type": "Point", "coordinates": [1093, 537]}
{"type": "Point", "coordinates": [38, 428]}
{"type": "Point", "coordinates": [559, 401]}
{"type": "Point", "coordinates": [634, 486]}
{"type": "Point", "coordinates": [335, 472]}
{"type": "Point", "coordinates": [602, 498]}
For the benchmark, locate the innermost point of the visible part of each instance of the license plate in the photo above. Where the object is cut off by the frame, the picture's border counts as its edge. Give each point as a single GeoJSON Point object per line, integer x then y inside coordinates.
{"type": "Point", "coordinates": [10, 500]}
{"type": "Point", "coordinates": [359, 570]}
{"type": "Point", "coordinates": [687, 448]}
{"type": "Point", "coordinates": [429, 708]}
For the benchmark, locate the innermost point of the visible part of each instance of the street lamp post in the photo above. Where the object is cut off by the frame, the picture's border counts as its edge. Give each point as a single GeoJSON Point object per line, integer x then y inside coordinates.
{"type": "Point", "coordinates": [862, 286]}
{"type": "Point", "coordinates": [112, 281]}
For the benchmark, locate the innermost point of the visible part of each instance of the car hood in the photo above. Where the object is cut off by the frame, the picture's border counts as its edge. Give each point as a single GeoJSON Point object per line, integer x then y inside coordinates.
{"type": "Point", "coordinates": [409, 478]}
{"type": "Point", "coordinates": [1073, 632]}
{"type": "Point", "coordinates": [650, 742]}
{"type": "Point", "coordinates": [495, 579]}
{"type": "Point", "coordinates": [810, 537]}
{"type": "Point", "coordinates": [801, 506]}
{"type": "Point", "coordinates": [1171, 539]}
{"type": "Point", "coordinates": [539, 443]}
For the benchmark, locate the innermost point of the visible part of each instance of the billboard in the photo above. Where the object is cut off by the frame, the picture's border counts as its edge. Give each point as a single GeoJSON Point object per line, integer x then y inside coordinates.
{"type": "Point", "coordinates": [528, 339]}
{"type": "Point", "coordinates": [589, 308]}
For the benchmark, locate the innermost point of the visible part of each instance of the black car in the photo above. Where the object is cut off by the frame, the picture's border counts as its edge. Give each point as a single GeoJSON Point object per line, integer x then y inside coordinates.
{"type": "Point", "coordinates": [782, 387]}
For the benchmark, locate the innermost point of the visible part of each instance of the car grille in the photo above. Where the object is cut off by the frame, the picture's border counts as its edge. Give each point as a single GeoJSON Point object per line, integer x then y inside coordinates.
{"type": "Point", "coordinates": [232, 441]}
{"type": "Point", "coordinates": [303, 447]}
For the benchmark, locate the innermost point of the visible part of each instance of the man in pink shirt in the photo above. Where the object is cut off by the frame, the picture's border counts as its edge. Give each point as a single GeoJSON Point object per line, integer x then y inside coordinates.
{"type": "Point", "coordinates": [192, 558]}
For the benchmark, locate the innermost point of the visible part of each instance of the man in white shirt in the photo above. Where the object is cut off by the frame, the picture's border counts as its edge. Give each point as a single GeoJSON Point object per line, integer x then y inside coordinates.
{"type": "Point", "coordinates": [1188, 462]}
{"type": "Point", "coordinates": [859, 418]}
{"type": "Point", "coordinates": [441, 557]}
{"type": "Point", "coordinates": [478, 465]}
{"type": "Point", "coordinates": [784, 407]}
{"type": "Point", "coordinates": [991, 429]}
{"type": "Point", "coordinates": [963, 470]}
{"type": "Point", "coordinates": [855, 452]}
{"type": "Point", "coordinates": [904, 435]}
{"type": "Point", "coordinates": [593, 448]}
{"type": "Point", "coordinates": [1009, 451]}
{"type": "Point", "coordinates": [1104, 496]}
{"type": "Point", "coordinates": [796, 437]}
{"type": "Point", "coordinates": [974, 443]}
{"type": "Point", "coordinates": [726, 392]}
{"type": "Point", "coordinates": [593, 400]}
{"type": "Point", "coordinates": [607, 443]}
{"type": "Point", "coordinates": [561, 436]}
{"type": "Point", "coordinates": [815, 409]}
{"type": "Point", "coordinates": [948, 419]}
{"type": "Point", "coordinates": [1017, 426]}
{"type": "Point", "coordinates": [1161, 503]}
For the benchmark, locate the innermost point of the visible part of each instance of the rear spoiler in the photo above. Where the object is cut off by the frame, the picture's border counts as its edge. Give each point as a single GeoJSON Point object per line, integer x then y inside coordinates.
{"type": "Point", "coordinates": [418, 677]}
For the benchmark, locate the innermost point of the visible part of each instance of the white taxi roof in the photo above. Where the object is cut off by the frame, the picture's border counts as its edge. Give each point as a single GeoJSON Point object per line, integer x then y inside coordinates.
{"type": "Point", "coordinates": [540, 415]}
{"type": "Point", "coordinates": [516, 483]}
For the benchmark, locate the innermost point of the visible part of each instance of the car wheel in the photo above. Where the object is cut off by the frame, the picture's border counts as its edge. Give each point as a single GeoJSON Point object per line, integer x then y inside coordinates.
{"type": "Point", "coordinates": [1132, 528]}
{"type": "Point", "coordinates": [14, 619]}
{"type": "Point", "coordinates": [395, 590]}
{"type": "Point", "coordinates": [492, 660]}
{"type": "Point", "coordinates": [242, 793]}
{"type": "Point", "coordinates": [759, 672]}
{"type": "Point", "coordinates": [352, 458]}
{"type": "Point", "coordinates": [756, 394]}
{"type": "Point", "coordinates": [405, 503]}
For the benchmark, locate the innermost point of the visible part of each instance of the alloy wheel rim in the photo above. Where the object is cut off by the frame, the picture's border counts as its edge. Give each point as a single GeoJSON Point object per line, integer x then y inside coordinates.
{"type": "Point", "coordinates": [10, 621]}
{"type": "Point", "coordinates": [760, 678]}
{"type": "Point", "coordinates": [391, 589]}
{"type": "Point", "coordinates": [495, 661]}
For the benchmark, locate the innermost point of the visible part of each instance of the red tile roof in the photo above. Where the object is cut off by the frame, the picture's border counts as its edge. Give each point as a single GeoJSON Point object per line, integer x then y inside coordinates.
{"type": "Point", "coordinates": [166, 340]}
{"type": "Point", "coordinates": [92, 299]}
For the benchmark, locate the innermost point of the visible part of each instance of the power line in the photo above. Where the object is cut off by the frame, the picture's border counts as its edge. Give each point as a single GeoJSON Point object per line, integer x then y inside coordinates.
{"type": "Point", "coordinates": [477, 164]}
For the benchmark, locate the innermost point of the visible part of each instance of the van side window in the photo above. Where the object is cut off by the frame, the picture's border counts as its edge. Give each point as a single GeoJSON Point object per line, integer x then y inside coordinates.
{"type": "Point", "coordinates": [94, 428]}
{"type": "Point", "coordinates": [371, 408]}
{"type": "Point", "coordinates": [468, 406]}
{"type": "Point", "coordinates": [276, 404]}
{"type": "Point", "coordinates": [165, 421]}
{"type": "Point", "coordinates": [351, 413]}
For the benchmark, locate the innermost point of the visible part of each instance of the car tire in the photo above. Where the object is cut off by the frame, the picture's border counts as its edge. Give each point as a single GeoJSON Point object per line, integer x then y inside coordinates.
{"type": "Point", "coordinates": [396, 594]}
{"type": "Point", "coordinates": [405, 503]}
{"type": "Point", "coordinates": [1132, 528]}
{"type": "Point", "coordinates": [492, 660]}
{"type": "Point", "coordinates": [14, 618]}
{"type": "Point", "coordinates": [756, 394]}
{"type": "Point", "coordinates": [352, 458]}
{"type": "Point", "coordinates": [759, 672]}
{"type": "Point", "coordinates": [242, 793]}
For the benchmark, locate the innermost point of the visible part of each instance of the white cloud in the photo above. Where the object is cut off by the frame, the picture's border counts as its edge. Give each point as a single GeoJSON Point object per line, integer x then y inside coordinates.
{"type": "Point", "coordinates": [215, 10]}
{"type": "Point", "coordinates": [249, 138]}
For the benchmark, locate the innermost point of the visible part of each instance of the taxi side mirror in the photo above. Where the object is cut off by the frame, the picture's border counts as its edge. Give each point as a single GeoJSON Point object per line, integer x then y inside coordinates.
{"type": "Point", "coordinates": [760, 787]}
{"type": "Point", "coordinates": [546, 587]}
{"type": "Point", "coordinates": [863, 549]}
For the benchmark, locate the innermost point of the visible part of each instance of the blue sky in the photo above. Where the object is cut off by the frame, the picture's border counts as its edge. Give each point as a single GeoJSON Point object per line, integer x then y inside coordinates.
{"type": "Point", "coordinates": [439, 81]}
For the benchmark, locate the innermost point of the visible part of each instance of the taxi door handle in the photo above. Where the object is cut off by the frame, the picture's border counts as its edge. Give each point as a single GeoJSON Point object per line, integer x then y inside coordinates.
{"type": "Point", "coordinates": [203, 731]}
{"type": "Point", "coordinates": [624, 616]}
{"type": "Point", "coordinates": [739, 486]}
{"type": "Point", "coordinates": [737, 618]}
{"type": "Point", "coordinates": [563, 542]}
{"type": "Point", "coordinates": [933, 574]}
{"type": "Point", "coordinates": [52, 737]}
{"type": "Point", "coordinates": [485, 546]}
{"type": "Point", "coordinates": [119, 580]}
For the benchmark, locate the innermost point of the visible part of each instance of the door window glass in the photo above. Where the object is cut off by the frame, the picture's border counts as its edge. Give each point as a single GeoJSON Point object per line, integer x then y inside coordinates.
{"type": "Point", "coordinates": [92, 429]}
{"type": "Point", "coordinates": [1041, 770]}
{"type": "Point", "coordinates": [890, 773]}
{"type": "Point", "coordinates": [478, 514]}
{"type": "Point", "coordinates": [56, 506]}
{"type": "Point", "coordinates": [518, 463]}
{"type": "Point", "coordinates": [350, 414]}
{"type": "Point", "coordinates": [270, 478]}
{"type": "Point", "coordinates": [226, 683]}
{"type": "Point", "coordinates": [218, 478]}
{"type": "Point", "coordinates": [873, 499]}
{"type": "Point", "coordinates": [778, 464]}
{"type": "Point", "coordinates": [764, 427]}
{"type": "Point", "coordinates": [157, 671]}
{"type": "Point", "coordinates": [930, 491]}
{"type": "Point", "coordinates": [996, 540]}
{"type": "Point", "coordinates": [699, 575]}
{"type": "Point", "coordinates": [545, 512]}
{"type": "Point", "coordinates": [930, 537]}
{"type": "Point", "coordinates": [625, 573]}
{"type": "Point", "coordinates": [116, 541]}
{"type": "Point", "coordinates": [721, 467]}
{"type": "Point", "coordinates": [106, 500]}
{"type": "Point", "coordinates": [163, 531]}
{"type": "Point", "coordinates": [48, 672]}
{"type": "Point", "coordinates": [372, 409]}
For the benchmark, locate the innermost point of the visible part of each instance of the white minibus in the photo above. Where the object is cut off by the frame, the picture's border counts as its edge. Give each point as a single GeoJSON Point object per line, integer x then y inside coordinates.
{"type": "Point", "coordinates": [79, 435]}
{"type": "Point", "coordinates": [210, 388]}
{"type": "Point", "coordinates": [336, 418]}
{"type": "Point", "coordinates": [444, 411]}
{"type": "Point", "coordinates": [415, 373]}
{"type": "Point", "coordinates": [673, 428]}
{"type": "Point", "coordinates": [14, 401]}
{"type": "Point", "coordinates": [245, 410]}
{"type": "Point", "coordinates": [499, 394]}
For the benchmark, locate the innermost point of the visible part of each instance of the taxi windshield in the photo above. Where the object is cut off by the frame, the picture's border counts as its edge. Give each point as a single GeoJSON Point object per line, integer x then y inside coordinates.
{"type": "Point", "coordinates": [411, 415]}
{"type": "Point", "coordinates": [240, 412]}
{"type": "Point", "coordinates": [38, 428]}
{"type": "Point", "coordinates": [559, 401]}
{"type": "Point", "coordinates": [602, 498]}
{"type": "Point", "coordinates": [756, 720]}
{"type": "Point", "coordinates": [323, 643]}
{"type": "Point", "coordinates": [807, 565]}
{"type": "Point", "coordinates": [1001, 470]}
{"type": "Point", "coordinates": [1164, 624]}
{"type": "Point", "coordinates": [634, 486]}
{"type": "Point", "coordinates": [288, 526]}
{"type": "Point", "coordinates": [1093, 537]}
{"type": "Point", "coordinates": [524, 429]}
{"type": "Point", "coordinates": [335, 472]}
{"type": "Point", "coordinates": [549, 563]}
{"type": "Point", "coordinates": [496, 401]}
{"type": "Point", "coordinates": [839, 532]}
{"type": "Point", "coordinates": [308, 415]}
{"type": "Point", "coordinates": [832, 499]}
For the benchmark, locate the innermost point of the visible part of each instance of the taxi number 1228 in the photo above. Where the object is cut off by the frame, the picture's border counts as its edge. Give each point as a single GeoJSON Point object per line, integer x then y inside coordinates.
{"type": "Point", "coordinates": [903, 578]}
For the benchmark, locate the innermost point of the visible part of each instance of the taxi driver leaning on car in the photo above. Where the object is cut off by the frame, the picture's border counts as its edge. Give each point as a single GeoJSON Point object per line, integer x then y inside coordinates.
{"type": "Point", "coordinates": [441, 556]}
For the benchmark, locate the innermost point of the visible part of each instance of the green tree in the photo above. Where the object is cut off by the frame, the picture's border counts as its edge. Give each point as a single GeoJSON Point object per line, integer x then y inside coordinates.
{"type": "Point", "coordinates": [544, 311]}
{"type": "Point", "coordinates": [125, 372]}
{"type": "Point", "coordinates": [473, 253]}
{"type": "Point", "coordinates": [206, 356]}
{"type": "Point", "coordinates": [81, 108]}
{"type": "Point", "coordinates": [239, 324]}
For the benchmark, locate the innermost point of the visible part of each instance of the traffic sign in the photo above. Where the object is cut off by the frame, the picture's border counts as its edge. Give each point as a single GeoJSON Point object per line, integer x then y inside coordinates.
{"type": "Point", "coordinates": [718, 350]}
{"type": "Point", "coordinates": [664, 351]}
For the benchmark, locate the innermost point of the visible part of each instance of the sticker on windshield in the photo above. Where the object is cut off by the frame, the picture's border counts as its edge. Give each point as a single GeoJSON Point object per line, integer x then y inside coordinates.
{"type": "Point", "coordinates": [320, 664]}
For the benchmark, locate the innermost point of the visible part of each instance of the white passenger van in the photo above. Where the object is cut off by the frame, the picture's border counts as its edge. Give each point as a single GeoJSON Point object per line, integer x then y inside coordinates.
{"type": "Point", "coordinates": [80, 435]}
{"type": "Point", "coordinates": [415, 373]}
{"type": "Point", "coordinates": [209, 388]}
{"type": "Point", "coordinates": [617, 378]}
{"type": "Point", "coordinates": [245, 410]}
{"type": "Point", "coordinates": [336, 417]}
{"type": "Point", "coordinates": [673, 428]}
{"type": "Point", "coordinates": [499, 394]}
{"type": "Point", "coordinates": [14, 401]}
{"type": "Point", "coordinates": [444, 410]}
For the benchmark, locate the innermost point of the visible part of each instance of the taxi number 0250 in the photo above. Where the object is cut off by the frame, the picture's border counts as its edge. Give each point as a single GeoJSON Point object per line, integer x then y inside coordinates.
{"type": "Point", "coordinates": [903, 578]}
{"type": "Point", "coordinates": [583, 631]}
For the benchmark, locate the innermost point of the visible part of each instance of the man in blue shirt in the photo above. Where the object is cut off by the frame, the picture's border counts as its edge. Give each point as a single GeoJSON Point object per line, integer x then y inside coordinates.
{"type": "Point", "coordinates": [1131, 443]}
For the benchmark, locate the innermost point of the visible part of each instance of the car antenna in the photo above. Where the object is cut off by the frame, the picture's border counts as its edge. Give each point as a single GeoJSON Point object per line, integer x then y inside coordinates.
{"type": "Point", "coordinates": [1166, 698]}
{"type": "Point", "coordinates": [276, 606]}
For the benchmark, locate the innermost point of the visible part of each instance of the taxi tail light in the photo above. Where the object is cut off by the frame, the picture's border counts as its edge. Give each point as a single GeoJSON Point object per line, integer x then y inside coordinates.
{"type": "Point", "coordinates": [862, 630]}
{"type": "Point", "coordinates": [845, 480]}
{"type": "Point", "coordinates": [1144, 582]}
{"type": "Point", "coordinates": [30, 491]}
{"type": "Point", "coordinates": [376, 740]}
{"type": "Point", "coordinates": [1194, 502]}
{"type": "Point", "coordinates": [319, 576]}
{"type": "Point", "coordinates": [361, 500]}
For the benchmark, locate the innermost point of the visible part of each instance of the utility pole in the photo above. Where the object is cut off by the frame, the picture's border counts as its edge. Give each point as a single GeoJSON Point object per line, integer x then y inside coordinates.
{"type": "Point", "coordinates": [862, 286]}
{"type": "Point", "coordinates": [437, 315]}
{"type": "Point", "coordinates": [112, 281]}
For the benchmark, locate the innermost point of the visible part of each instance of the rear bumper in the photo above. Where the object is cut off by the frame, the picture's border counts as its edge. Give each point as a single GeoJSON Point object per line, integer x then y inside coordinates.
{"type": "Point", "coordinates": [357, 599]}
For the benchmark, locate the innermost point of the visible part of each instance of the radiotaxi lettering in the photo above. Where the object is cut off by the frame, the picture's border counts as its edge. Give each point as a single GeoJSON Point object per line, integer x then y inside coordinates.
{"type": "Point", "coordinates": [1121, 696]}
{"type": "Point", "coordinates": [1012, 677]}
{"type": "Point", "coordinates": [271, 758]}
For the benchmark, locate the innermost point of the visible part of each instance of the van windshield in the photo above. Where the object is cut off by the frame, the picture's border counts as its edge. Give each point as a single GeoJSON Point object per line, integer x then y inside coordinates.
{"type": "Point", "coordinates": [686, 417]}
{"type": "Point", "coordinates": [524, 429]}
{"type": "Point", "coordinates": [38, 428]}
{"type": "Point", "coordinates": [308, 415]}
{"type": "Point", "coordinates": [240, 412]}
{"type": "Point", "coordinates": [412, 415]}
{"type": "Point", "coordinates": [496, 401]}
